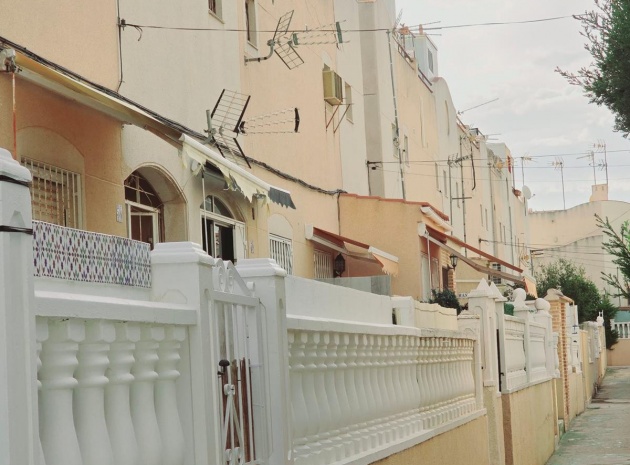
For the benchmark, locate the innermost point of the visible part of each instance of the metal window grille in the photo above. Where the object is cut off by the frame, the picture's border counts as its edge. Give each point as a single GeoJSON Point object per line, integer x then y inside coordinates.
{"type": "Point", "coordinates": [55, 194]}
{"type": "Point", "coordinates": [323, 265]}
{"type": "Point", "coordinates": [496, 279]}
{"type": "Point", "coordinates": [281, 250]}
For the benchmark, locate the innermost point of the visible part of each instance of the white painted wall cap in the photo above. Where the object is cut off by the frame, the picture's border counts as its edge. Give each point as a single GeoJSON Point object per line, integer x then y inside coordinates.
{"type": "Point", "coordinates": [11, 168]}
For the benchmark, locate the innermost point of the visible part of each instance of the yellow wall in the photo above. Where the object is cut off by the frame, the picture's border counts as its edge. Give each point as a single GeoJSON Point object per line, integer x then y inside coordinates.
{"type": "Point", "coordinates": [62, 133]}
{"type": "Point", "coordinates": [619, 355]}
{"type": "Point", "coordinates": [465, 445]}
{"type": "Point", "coordinates": [81, 36]}
{"type": "Point", "coordinates": [529, 425]}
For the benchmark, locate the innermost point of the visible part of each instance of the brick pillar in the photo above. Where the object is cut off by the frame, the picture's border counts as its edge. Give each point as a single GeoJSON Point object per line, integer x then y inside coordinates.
{"type": "Point", "coordinates": [558, 310]}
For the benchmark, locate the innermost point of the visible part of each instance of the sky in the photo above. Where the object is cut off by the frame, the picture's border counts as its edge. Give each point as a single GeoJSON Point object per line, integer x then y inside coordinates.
{"type": "Point", "coordinates": [537, 114]}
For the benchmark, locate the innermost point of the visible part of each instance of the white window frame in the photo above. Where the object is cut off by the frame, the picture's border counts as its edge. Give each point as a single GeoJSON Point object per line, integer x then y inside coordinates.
{"type": "Point", "coordinates": [146, 211]}
{"type": "Point", "coordinates": [251, 23]}
{"type": "Point", "coordinates": [238, 229]}
{"type": "Point", "coordinates": [348, 101]}
{"type": "Point", "coordinates": [281, 250]}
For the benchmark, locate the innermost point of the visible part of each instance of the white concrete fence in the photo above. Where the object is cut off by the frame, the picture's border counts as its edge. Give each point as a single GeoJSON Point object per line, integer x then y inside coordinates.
{"type": "Point", "coordinates": [112, 357]}
{"type": "Point", "coordinates": [622, 328]}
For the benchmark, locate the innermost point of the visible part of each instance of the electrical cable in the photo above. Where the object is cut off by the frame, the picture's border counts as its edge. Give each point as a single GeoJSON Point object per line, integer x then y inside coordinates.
{"type": "Point", "coordinates": [124, 23]}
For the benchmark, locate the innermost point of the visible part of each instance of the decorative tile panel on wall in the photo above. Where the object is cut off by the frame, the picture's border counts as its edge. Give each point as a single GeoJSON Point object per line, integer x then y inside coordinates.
{"type": "Point", "coordinates": [77, 255]}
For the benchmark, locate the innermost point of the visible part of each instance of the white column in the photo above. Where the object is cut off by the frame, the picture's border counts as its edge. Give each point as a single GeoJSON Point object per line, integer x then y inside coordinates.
{"type": "Point", "coordinates": [166, 396]}
{"type": "Point", "coordinates": [42, 335]}
{"type": "Point", "coordinates": [56, 422]}
{"type": "Point", "coordinates": [268, 281]}
{"type": "Point", "coordinates": [117, 395]}
{"type": "Point", "coordinates": [18, 364]}
{"type": "Point", "coordinates": [143, 411]}
{"type": "Point", "coordinates": [182, 271]}
{"type": "Point", "coordinates": [89, 395]}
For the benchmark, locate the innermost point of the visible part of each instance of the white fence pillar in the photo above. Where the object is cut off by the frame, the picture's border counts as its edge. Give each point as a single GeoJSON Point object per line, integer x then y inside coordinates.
{"type": "Point", "coordinates": [268, 281]}
{"type": "Point", "coordinates": [19, 439]}
{"type": "Point", "coordinates": [481, 303]}
{"type": "Point", "coordinates": [182, 273]}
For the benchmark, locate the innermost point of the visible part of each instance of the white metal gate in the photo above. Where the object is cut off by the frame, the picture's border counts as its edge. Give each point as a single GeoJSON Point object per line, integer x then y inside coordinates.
{"type": "Point", "coordinates": [241, 379]}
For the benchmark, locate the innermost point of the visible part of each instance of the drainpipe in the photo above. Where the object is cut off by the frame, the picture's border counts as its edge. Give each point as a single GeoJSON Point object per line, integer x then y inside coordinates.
{"type": "Point", "coordinates": [397, 141]}
{"type": "Point", "coordinates": [461, 171]}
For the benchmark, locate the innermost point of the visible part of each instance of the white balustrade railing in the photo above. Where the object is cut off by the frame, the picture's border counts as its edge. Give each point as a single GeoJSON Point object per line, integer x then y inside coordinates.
{"type": "Point", "coordinates": [515, 360]}
{"type": "Point", "coordinates": [537, 352]}
{"type": "Point", "coordinates": [108, 393]}
{"type": "Point", "coordinates": [357, 388]}
{"type": "Point", "coordinates": [527, 348]}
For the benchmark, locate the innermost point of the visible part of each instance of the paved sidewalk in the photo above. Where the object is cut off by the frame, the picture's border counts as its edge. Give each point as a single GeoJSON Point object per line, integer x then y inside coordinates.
{"type": "Point", "coordinates": [601, 435]}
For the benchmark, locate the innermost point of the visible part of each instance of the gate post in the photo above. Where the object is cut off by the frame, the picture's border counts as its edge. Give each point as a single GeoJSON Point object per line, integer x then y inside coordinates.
{"type": "Point", "coordinates": [19, 437]}
{"type": "Point", "coordinates": [182, 273]}
{"type": "Point", "coordinates": [267, 279]}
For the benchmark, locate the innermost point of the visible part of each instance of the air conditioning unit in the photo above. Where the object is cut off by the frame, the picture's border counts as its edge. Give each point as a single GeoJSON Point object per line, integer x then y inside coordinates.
{"type": "Point", "coordinates": [333, 87]}
{"type": "Point", "coordinates": [411, 53]}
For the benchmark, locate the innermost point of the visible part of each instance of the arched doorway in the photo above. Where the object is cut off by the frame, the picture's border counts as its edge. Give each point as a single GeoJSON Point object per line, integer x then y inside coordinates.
{"type": "Point", "coordinates": [156, 209]}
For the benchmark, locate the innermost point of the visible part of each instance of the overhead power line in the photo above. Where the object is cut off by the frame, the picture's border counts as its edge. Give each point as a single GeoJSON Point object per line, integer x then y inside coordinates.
{"type": "Point", "coordinates": [123, 23]}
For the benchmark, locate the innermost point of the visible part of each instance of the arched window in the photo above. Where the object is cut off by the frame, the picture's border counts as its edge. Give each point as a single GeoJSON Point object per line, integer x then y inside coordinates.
{"type": "Point", "coordinates": [145, 220]}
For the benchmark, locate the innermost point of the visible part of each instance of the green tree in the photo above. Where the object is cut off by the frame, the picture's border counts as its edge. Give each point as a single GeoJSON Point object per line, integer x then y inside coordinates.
{"type": "Point", "coordinates": [565, 275]}
{"type": "Point", "coordinates": [607, 80]}
{"type": "Point", "coordinates": [617, 245]}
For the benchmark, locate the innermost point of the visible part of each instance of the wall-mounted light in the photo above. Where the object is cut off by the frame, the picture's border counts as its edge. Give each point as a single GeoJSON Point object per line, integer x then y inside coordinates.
{"type": "Point", "coordinates": [339, 266]}
{"type": "Point", "coordinates": [454, 259]}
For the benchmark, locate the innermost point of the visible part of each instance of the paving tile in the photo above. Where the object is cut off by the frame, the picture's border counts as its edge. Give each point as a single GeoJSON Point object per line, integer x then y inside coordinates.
{"type": "Point", "coordinates": [601, 435]}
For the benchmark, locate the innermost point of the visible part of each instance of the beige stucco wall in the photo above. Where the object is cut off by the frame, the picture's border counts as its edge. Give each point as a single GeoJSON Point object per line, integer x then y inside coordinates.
{"type": "Point", "coordinates": [529, 425]}
{"type": "Point", "coordinates": [82, 36]}
{"type": "Point", "coordinates": [391, 226]}
{"type": "Point", "coordinates": [62, 133]}
{"type": "Point", "coordinates": [619, 355]}
{"type": "Point", "coordinates": [577, 398]}
{"type": "Point", "coordinates": [464, 445]}
{"type": "Point", "coordinates": [573, 232]}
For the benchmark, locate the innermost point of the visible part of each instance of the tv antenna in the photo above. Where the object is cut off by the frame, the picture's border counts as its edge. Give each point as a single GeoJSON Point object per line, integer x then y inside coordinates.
{"type": "Point", "coordinates": [525, 158]}
{"type": "Point", "coordinates": [600, 146]}
{"type": "Point", "coordinates": [284, 44]}
{"type": "Point", "coordinates": [227, 121]}
{"type": "Point", "coordinates": [477, 106]}
{"type": "Point", "coordinates": [591, 155]}
{"type": "Point", "coordinates": [559, 164]}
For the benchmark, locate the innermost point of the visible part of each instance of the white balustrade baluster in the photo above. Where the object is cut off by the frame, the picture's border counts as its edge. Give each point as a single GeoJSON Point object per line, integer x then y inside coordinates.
{"type": "Point", "coordinates": [379, 369]}
{"type": "Point", "coordinates": [143, 412]}
{"type": "Point", "coordinates": [56, 422]}
{"type": "Point", "coordinates": [41, 331]}
{"type": "Point", "coordinates": [354, 396]}
{"type": "Point", "coordinates": [297, 341]}
{"type": "Point", "coordinates": [356, 351]}
{"type": "Point", "coordinates": [117, 395]}
{"type": "Point", "coordinates": [320, 339]}
{"type": "Point", "coordinates": [173, 446]}
{"type": "Point", "coordinates": [330, 374]}
{"type": "Point", "coordinates": [422, 374]}
{"type": "Point", "coordinates": [89, 395]}
{"type": "Point", "coordinates": [415, 383]}
{"type": "Point", "coordinates": [310, 395]}
{"type": "Point", "coordinates": [340, 344]}
{"type": "Point", "coordinates": [371, 388]}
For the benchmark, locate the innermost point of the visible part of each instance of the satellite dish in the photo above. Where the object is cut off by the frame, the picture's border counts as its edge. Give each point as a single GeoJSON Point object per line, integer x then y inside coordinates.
{"type": "Point", "coordinates": [527, 193]}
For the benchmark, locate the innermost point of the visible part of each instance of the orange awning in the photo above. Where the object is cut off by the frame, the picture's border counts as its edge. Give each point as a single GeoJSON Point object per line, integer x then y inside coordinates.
{"type": "Point", "coordinates": [353, 248]}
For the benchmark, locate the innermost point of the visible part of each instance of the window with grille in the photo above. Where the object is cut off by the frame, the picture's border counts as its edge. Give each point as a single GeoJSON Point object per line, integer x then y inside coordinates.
{"type": "Point", "coordinates": [323, 265]}
{"type": "Point", "coordinates": [55, 194]}
{"type": "Point", "coordinates": [281, 250]}
{"type": "Point", "coordinates": [496, 279]}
